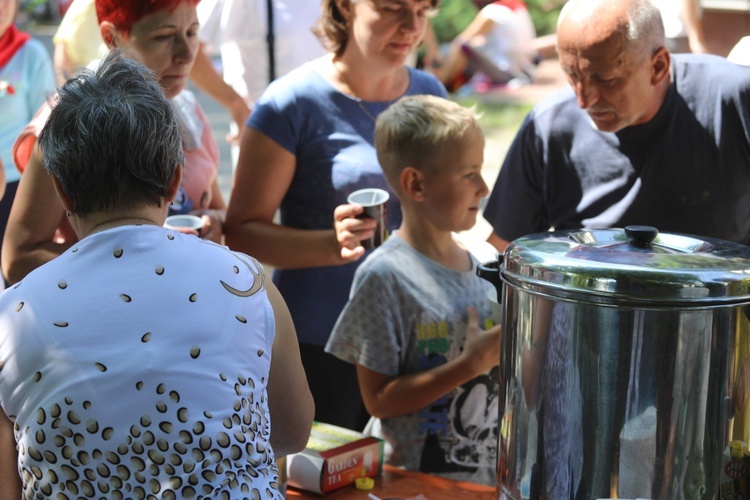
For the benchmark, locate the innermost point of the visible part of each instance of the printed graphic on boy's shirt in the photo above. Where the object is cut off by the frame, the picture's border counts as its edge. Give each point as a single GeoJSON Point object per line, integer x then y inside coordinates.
{"type": "Point", "coordinates": [459, 429]}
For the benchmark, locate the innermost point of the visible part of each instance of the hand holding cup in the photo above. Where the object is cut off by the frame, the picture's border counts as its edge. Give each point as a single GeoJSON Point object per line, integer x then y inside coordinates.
{"type": "Point", "coordinates": [373, 202]}
{"type": "Point", "coordinates": [349, 231]}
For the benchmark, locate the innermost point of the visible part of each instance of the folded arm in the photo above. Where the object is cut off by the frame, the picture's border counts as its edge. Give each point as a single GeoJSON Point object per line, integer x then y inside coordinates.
{"type": "Point", "coordinates": [34, 218]}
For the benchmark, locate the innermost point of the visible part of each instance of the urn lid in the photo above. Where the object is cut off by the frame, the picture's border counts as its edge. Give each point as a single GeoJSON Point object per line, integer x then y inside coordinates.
{"type": "Point", "coordinates": [637, 264]}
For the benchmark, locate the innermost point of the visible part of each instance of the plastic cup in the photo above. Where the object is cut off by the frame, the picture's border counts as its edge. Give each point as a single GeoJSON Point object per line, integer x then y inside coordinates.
{"type": "Point", "coordinates": [184, 221]}
{"type": "Point", "coordinates": [373, 200]}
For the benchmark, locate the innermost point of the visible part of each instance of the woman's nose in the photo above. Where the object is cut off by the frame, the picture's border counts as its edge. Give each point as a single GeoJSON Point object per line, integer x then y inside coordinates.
{"type": "Point", "coordinates": [409, 20]}
{"type": "Point", "coordinates": [184, 50]}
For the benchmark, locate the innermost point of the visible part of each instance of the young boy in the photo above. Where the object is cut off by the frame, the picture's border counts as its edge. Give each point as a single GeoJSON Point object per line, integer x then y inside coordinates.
{"type": "Point", "coordinates": [425, 368]}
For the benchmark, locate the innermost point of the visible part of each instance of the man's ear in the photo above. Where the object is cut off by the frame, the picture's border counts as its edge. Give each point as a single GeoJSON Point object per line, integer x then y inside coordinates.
{"type": "Point", "coordinates": [110, 34]}
{"type": "Point", "coordinates": [412, 183]}
{"type": "Point", "coordinates": [660, 64]}
{"type": "Point", "coordinates": [174, 184]}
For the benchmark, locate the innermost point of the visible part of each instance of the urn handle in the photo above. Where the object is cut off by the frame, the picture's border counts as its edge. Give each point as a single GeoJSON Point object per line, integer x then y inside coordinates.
{"type": "Point", "coordinates": [490, 271]}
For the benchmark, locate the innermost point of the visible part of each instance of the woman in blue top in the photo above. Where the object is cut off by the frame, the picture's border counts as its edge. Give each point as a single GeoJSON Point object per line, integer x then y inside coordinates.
{"type": "Point", "coordinates": [308, 144]}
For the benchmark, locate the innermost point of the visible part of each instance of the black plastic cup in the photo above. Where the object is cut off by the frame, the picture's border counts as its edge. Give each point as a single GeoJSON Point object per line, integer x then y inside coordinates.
{"type": "Point", "coordinates": [373, 200]}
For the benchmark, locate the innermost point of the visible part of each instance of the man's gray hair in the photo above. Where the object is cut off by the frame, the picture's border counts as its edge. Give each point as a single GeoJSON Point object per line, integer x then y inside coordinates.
{"type": "Point", "coordinates": [645, 28]}
{"type": "Point", "coordinates": [112, 139]}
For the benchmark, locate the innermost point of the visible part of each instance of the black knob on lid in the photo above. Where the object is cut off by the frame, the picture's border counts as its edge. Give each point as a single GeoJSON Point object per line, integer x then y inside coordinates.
{"type": "Point", "coordinates": [641, 236]}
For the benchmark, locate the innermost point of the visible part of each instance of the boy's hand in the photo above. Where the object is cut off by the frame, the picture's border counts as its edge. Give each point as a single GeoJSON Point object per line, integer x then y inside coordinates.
{"type": "Point", "coordinates": [482, 347]}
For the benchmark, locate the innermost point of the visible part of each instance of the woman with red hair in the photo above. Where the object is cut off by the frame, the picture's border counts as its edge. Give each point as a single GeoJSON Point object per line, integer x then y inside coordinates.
{"type": "Point", "coordinates": [163, 35]}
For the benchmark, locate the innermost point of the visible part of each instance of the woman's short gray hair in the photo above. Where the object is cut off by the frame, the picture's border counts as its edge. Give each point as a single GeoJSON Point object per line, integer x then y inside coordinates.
{"type": "Point", "coordinates": [112, 139]}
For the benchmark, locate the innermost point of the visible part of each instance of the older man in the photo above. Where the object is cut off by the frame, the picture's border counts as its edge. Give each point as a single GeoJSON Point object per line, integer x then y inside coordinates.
{"type": "Point", "coordinates": [641, 137]}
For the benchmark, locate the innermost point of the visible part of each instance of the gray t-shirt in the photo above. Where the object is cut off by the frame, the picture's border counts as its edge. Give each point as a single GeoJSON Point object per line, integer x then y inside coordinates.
{"type": "Point", "coordinates": [407, 314]}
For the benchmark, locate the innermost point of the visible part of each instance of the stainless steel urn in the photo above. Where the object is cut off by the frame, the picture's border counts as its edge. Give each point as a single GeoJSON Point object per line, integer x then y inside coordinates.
{"type": "Point", "coordinates": [622, 370]}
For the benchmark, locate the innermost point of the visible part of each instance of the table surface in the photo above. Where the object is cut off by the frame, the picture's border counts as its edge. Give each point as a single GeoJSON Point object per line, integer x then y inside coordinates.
{"type": "Point", "coordinates": [401, 484]}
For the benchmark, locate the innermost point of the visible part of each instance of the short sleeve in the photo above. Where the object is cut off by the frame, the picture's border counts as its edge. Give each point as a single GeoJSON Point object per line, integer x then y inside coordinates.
{"type": "Point", "coordinates": [426, 83]}
{"type": "Point", "coordinates": [366, 331]}
{"type": "Point", "coordinates": [273, 115]}
{"type": "Point", "coordinates": [24, 145]}
{"type": "Point", "coordinates": [516, 205]}
{"type": "Point", "coordinates": [207, 137]}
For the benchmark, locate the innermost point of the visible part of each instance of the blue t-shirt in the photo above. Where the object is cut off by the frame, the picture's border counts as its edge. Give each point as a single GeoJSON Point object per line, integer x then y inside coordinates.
{"type": "Point", "coordinates": [30, 76]}
{"type": "Point", "coordinates": [332, 138]}
{"type": "Point", "coordinates": [685, 171]}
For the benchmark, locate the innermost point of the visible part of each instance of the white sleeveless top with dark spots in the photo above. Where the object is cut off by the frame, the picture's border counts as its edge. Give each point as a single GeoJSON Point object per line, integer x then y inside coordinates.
{"type": "Point", "coordinates": [135, 366]}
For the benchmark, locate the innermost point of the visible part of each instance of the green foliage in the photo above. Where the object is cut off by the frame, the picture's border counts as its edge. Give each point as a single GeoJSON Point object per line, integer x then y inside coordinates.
{"type": "Point", "coordinates": [544, 13]}
{"type": "Point", "coordinates": [452, 17]}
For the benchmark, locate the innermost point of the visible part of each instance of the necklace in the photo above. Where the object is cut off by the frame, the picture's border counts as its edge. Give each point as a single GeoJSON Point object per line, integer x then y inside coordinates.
{"type": "Point", "coordinates": [357, 99]}
{"type": "Point", "coordinates": [364, 109]}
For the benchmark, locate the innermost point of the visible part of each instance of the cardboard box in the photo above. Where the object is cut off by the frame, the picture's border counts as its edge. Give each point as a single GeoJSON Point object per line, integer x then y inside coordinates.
{"type": "Point", "coordinates": [734, 481]}
{"type": "Point", "coordinates": [334, 457]}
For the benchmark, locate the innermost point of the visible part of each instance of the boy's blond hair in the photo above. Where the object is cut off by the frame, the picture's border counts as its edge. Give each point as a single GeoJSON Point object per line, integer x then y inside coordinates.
{"type": "Point", "coordinates": [412, 132]}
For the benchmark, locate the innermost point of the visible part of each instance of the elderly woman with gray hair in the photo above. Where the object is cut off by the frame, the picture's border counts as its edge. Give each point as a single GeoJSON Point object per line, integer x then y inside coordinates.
{"type": "Point", "coordinates": [142, 361]}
